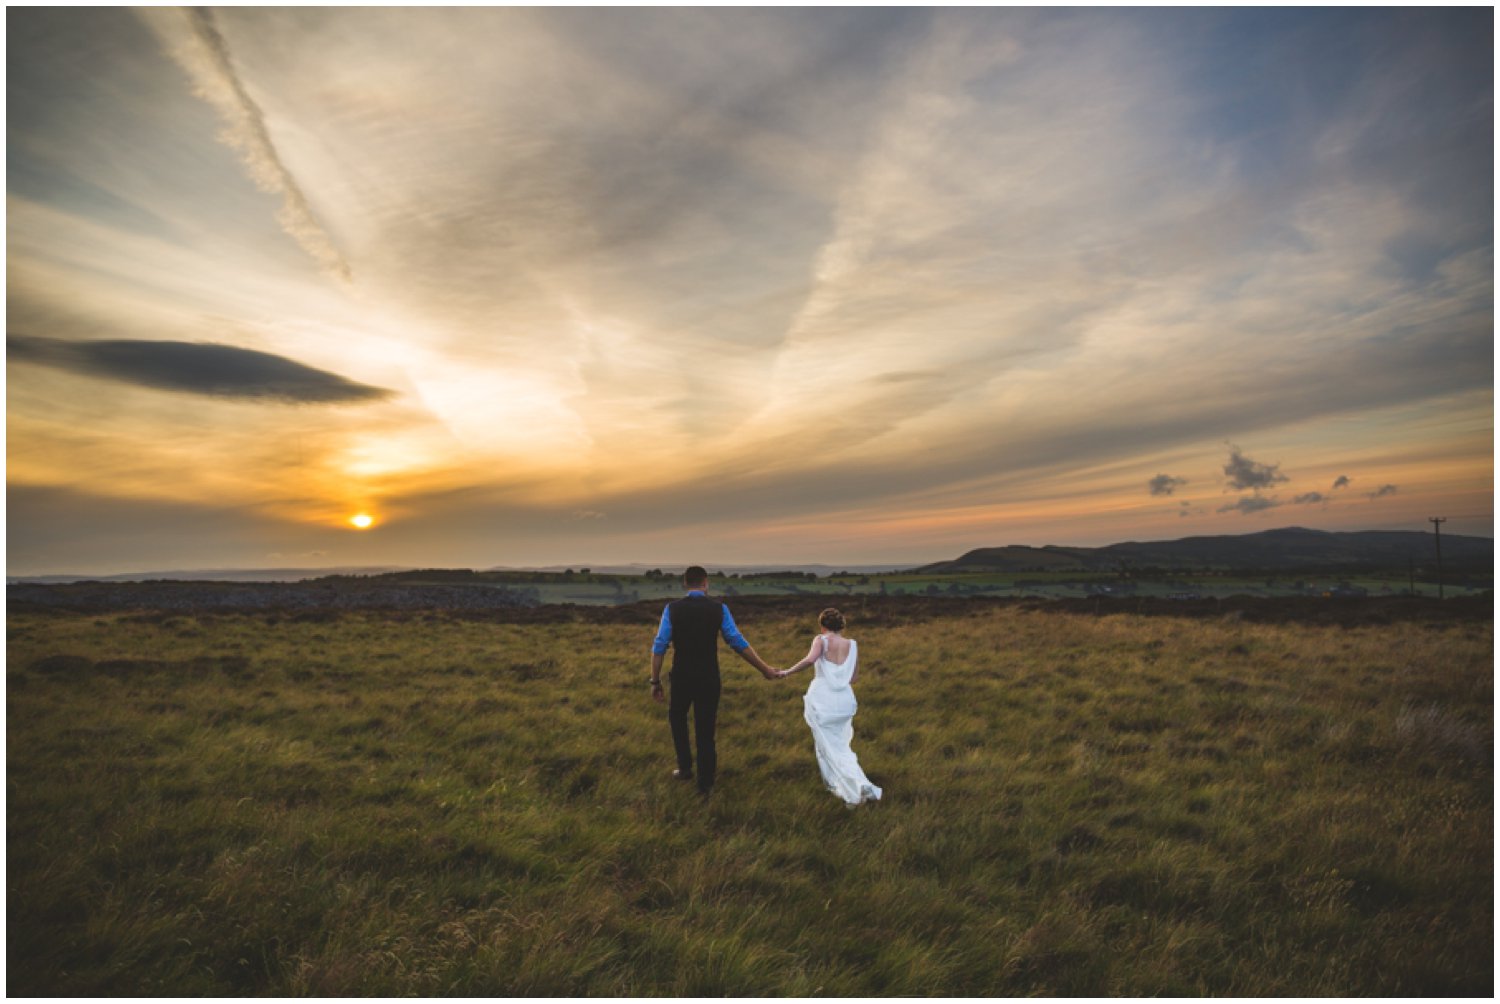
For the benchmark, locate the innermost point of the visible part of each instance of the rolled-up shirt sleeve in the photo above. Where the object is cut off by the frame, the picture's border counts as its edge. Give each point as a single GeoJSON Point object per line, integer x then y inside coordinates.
{"type": "Point", "coordinates": [663, 633]}
{"type": "Point", "coordinates": [731, 633]}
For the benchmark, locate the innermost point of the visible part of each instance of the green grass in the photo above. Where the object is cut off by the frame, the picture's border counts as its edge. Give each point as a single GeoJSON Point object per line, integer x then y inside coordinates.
{"type": "Point", "coordinates": [364, 804]}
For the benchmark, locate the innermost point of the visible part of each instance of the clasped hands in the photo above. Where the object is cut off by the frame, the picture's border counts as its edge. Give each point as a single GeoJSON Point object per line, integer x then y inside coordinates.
{"type": "Point", "coordinates": [778, 674]}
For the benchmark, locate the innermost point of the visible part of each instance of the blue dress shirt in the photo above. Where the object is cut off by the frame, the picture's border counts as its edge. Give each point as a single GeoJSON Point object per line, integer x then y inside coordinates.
{"type": "Point", "coordinates": [726, 628]}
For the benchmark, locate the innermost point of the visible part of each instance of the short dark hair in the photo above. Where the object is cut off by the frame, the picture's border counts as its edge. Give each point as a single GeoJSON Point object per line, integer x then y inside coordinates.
{"type": "Point", "coordinates": [696, 575]}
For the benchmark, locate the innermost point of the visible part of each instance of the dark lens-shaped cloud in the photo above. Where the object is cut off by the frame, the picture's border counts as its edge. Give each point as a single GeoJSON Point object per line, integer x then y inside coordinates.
{"type": "Point", "coordinates": [1310, 498]}
{"type": "Point", "coordinates": [1382, 490]}
{"type": "Point", "coordinates": [1250, 504]}
{"type": "Point", "coordinates": [1342, 481]}
{"type": "Point", "coordinates": [1244, 473]}
{"type": "Point", "coordinates": [195, 368]}
{"type": "Point", "coordinates": [1165, 484]}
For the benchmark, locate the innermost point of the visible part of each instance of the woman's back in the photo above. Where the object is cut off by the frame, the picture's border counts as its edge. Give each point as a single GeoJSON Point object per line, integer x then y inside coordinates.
{"type": "Point", "coordinates": [834, 670]}
{"type": "Point", "coordinates": [836, 648]}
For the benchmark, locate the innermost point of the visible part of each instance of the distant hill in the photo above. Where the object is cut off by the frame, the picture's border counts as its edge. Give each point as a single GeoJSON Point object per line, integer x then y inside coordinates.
{"type": "Point", "coordinates": [1288, 549]}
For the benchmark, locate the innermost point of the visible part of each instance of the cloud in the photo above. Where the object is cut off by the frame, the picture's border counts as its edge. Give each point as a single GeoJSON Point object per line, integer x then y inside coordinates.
{"type": "Point", "coordinates": [1309, 498]}
{"type": "Point", "coordinates": [587, 514]}
{"type": "Point", "coordinates": [1382, 491]}
{"type": "Point", "coordinates": [194, 368]}
{"type": "Point", "coordinates": [1245, 473]}
{"type": "Point", "coordinates": [1342, 481]}
{"type": "Point", "coordinates": [199, 48]}
{"type": "Point", "coordinates": [1250, 504]}
{"type": "Point", "coordinates": [1165, 484]}
{"type": "Point", "coordinates": [596, 207]}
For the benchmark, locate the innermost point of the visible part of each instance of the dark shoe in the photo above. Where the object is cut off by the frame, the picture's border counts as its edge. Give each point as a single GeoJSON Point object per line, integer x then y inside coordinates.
{"type": "Point", "coordinates": [682, 775]}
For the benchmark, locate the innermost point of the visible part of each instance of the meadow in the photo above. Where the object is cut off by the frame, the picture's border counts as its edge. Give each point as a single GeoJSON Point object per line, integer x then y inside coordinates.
{"type": "Point", "coordinates": [428, 803]}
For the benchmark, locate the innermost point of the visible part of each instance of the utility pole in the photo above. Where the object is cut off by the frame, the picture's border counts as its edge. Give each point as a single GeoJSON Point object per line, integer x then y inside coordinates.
{"type": "Point", "coordinates": [1411, 576]}
{"type": "Point", "coordinates": [1437, 538]}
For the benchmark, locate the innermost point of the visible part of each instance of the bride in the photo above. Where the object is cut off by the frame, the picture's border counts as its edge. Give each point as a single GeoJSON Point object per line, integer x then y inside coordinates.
{"type": "Point", "coordinates": [829, 707]}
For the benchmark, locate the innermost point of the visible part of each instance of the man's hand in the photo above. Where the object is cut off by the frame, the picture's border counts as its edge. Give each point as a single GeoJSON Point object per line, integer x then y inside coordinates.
{"type": "Point", "coordinates": [656, 660]}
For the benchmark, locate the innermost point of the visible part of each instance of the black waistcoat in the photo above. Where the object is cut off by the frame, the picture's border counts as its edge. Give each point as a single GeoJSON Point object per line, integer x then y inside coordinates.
{"type": "Point", "coordinates": [695, 635]}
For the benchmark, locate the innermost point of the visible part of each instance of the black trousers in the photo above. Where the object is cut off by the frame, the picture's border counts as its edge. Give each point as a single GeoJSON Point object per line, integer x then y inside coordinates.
{"type": "Point", "coordinates": [701, 693]}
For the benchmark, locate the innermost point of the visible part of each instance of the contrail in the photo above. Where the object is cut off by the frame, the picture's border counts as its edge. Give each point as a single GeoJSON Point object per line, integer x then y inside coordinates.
{"type": "Point", "coordinates": [204, 54]}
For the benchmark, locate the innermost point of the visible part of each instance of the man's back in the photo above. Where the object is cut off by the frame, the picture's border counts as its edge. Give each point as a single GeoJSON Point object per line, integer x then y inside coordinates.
{"type": "Point", "coordinates": [696, 621]}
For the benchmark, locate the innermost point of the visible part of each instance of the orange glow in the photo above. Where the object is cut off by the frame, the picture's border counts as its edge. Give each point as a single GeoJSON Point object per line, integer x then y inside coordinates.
{"type": "Point", "coordinates": [363, 521]}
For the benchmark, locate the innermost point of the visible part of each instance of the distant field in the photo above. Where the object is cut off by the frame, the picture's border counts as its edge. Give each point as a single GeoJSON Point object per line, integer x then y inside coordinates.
{"type": "Point", "coordinates": [598, 589]}
{"type": "Point", "coordinates": [428, 803]}
{"type": "Point", "coordinates": [463, 588]}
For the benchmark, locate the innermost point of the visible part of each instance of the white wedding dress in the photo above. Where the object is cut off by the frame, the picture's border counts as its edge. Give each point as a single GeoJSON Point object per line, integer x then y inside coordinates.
{"type": "Point", "coordinates": [829, 707]}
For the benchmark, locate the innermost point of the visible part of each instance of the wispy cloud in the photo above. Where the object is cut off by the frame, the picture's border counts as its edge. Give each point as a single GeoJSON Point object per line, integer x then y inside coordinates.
{"type": "Point", "coordinates": [195, 42]}
{"type": "Point", "coordinates": [734, 269]}
{"type": "Point", "coordinates": [1342, 481]}
{"type": "Point", "coordinates": [194, 368]}
{"type": "Point", "coordinates": [1382, 491]}
{"type": "Point", "coordinates": [1309, 498]}
{"type": "Point", "coordinates": [1165, 484]}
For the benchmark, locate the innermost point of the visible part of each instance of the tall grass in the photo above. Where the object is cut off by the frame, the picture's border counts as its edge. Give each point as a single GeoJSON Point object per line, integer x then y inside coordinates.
{"type": "Point", "coordinates": [365, 804]}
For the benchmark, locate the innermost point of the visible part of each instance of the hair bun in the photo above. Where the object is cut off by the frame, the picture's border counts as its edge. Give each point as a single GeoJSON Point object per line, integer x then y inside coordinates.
{"type": "Point", "coordinates": [831, 619]}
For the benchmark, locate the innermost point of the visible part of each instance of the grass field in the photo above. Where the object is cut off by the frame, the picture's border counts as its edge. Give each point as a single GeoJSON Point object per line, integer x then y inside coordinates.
{"type": "Point", "coordinates": [1075, 804]}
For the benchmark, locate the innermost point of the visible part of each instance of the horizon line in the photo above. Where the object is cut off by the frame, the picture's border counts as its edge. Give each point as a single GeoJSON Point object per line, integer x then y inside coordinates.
{"type": "Point", "coordinates": [664, 566]}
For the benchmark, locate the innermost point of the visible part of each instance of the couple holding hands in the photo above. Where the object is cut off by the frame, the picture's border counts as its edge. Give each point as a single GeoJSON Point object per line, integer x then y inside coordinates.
{"type": "Point", "coordinates": [691, 627]}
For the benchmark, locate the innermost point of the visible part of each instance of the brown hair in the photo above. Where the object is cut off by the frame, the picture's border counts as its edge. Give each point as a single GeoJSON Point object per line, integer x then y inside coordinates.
{"type": "Point", "coordinates": [831, 619]}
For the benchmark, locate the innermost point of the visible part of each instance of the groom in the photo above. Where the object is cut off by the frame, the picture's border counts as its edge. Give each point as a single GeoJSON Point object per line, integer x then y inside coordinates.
{"type": "Point", "coordinates": [691, 626]}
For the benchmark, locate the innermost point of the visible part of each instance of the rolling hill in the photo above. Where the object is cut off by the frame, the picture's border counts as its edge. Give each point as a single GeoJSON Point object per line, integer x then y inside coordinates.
{"type": "Point", "coordinates": [1286, 549]}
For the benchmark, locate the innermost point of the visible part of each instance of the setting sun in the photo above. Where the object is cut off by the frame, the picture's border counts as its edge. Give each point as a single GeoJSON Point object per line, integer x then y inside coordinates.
{"type": "Point", "coordinates": [1117, 277]}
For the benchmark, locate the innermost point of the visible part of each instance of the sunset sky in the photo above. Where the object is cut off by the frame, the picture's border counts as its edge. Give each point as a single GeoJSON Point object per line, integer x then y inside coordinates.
{"type": "Point", "coordinates": [552, 286]}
